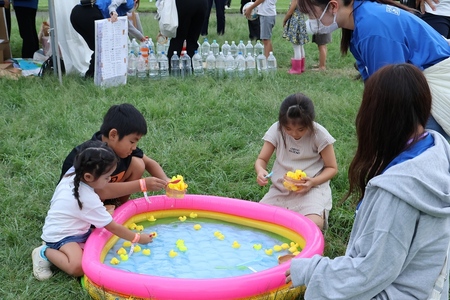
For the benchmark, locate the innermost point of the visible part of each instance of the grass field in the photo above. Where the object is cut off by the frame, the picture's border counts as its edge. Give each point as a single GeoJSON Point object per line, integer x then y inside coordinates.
{"type": "Point", "coordinates": [205, 129]}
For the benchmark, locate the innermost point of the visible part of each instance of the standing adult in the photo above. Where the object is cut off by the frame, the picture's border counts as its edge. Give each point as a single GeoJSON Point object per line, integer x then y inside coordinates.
{"type": "Point", "coordinates": [190, 20]}
{"type": "Point", "coordinates": [220, 15]}
{"type": "Point", "coordinates": [84, 15]}
{"type": "Point", "coordinates": [26, 20]}
{"type": "Point", "coordinates": [398, 37]}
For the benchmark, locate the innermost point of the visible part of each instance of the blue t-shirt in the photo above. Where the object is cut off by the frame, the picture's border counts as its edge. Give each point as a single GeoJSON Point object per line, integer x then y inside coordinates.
{"type": "Point", "coordinates": [385, 34]}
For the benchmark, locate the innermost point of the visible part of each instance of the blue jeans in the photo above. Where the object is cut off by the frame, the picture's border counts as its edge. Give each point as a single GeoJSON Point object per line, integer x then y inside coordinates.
{"type": "Point", "coordinates": [434, 125]}
{"type": "Point", "coordinates": [70, 239]}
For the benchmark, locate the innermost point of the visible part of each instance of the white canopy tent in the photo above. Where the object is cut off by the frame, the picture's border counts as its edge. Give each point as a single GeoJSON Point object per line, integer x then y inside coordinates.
{"type": "Point", "coordinates": [74, 50]}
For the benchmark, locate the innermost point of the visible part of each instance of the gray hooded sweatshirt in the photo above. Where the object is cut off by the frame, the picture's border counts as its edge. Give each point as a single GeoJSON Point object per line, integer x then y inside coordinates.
{"type": "Point", "coordinates": [400, 238]}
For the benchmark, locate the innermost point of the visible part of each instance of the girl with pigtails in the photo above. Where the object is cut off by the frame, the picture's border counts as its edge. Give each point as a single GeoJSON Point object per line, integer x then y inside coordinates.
{"type": "Point", "coordinates": [74, 207]}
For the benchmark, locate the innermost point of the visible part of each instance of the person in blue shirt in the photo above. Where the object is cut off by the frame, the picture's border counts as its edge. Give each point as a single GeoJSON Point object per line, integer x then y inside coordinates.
{"type": "Point", "coordinates": [384, 32]}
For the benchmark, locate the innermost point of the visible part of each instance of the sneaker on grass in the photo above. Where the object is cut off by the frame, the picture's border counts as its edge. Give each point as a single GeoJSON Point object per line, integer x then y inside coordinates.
{"type": "Point", "coordinates": [41, 266]}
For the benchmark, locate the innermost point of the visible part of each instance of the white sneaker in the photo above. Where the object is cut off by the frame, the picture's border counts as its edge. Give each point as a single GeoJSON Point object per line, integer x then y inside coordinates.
{"type": "Point", "coordinates": [41, 267]}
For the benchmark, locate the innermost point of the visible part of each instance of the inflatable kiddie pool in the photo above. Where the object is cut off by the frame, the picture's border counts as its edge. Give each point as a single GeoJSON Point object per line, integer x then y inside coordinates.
{"type": "Point", "coordinates": [105, 282]}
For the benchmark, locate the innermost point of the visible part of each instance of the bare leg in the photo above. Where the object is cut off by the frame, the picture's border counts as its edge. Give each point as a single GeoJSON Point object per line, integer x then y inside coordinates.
{"type": "Point", "coordinates": [67, 258]}
{"type": "Point", "coordinates": [322, 57]}
{"type": "Point", "coordinates": [267, 47]}
{"type": "Point", "coordinates": [318, 220]}
{"type": "Point", "coordinates": [134, 172]}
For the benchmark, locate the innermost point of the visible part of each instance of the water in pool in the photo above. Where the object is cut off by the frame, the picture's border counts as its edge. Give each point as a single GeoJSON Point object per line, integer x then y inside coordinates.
{"type": "Point", "coordinates": [201, 248]}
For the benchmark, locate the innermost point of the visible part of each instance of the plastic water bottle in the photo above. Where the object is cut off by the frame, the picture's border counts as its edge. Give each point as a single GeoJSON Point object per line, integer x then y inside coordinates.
{"type": "Point", "coordinates": [159, 48]}
{"type": "Point", "coordinates": [153, 66]}
{"type": "Point", "coordinates": [211, 64]}
{"type": "Point", "coordinates": [175, 65]}
{"type": "Point", "coordinates": [135, 47]}
{"type": "Point", "coordinates": [241, 47]}
{"type": "Point", "coordinates": [259, 48]}
{"type": "Point", "coordinates": [229, 65]}
{"type": "Point", "coordinates": [141, 66]}
{"type": "Point", "coordinates": [206, 47]}
{"type": "Point", "coordinates": [261, 64]}
{"type": "Point", "coordinates": [271, 64]}
{"type": "Point", "coordinates": [250, 64]}
{"type": "Point", "coordinates": [151, 45]}
{"type": "Point", "coordinates": [166, 46]}
{"type": "Point", "coordinates": [215, 48]}
{"type": "Point", "coordinates": [240, 65]}
{"type": "Point", "coordinates": [225, 48]}
{"type": "Point", "coordinates": [249, 48]}
{"type": "Point", "coordinates": [233, 49]}
{"type": "Point", "coordinates": [220, 65]}
{"type": "Point", "coordinates": [197, 64]}
{"type": "Point", "coordinates": [131, 64]}
{"type": "Point", "coordinates": [186, 67]}
{"type": "Point", "coordinates": [163, 65]}
{"type": "Point", "coordinates": [143, 48]}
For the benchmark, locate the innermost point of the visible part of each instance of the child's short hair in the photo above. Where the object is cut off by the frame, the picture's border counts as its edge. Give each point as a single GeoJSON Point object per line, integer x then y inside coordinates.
{"type": "Point", "coordinates": [126, 119]}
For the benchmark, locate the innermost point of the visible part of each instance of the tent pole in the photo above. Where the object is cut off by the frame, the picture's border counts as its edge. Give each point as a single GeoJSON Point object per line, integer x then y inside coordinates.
{"type": "Point", "coordinates": [54, 40]}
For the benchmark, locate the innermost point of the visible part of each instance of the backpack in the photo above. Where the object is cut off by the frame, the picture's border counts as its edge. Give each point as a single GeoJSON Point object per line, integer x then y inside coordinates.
{"type": "Point", "coordinates": [48, 68]}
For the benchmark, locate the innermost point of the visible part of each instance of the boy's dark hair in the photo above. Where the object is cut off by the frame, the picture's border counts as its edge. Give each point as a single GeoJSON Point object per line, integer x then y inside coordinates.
{"type": "Point", "coordinates": [94, 157]}
{"type": "Point", "coordinates": [297, 110]}
{"type": "Point", "coordinates": [126, 119]}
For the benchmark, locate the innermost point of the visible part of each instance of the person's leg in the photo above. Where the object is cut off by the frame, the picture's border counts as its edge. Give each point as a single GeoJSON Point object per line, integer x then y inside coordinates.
{"type": "Point", "coordinates": [220, 14]}
{"type": "Point", "coordinates": [322, 56]}
{"type": "Point", "coordinates": [318, 220]}
{"type": "Point", "coordinates": [254, 29]}
{"type": "Point", "coordinates": [205, 20]}
{"type": "Point", "coordinates": [83, 19]}
{"type": "Point", "coordinates": [267, 23]}
{"type": "Point", "coordinates": [26, 20]}
{"type": "Point", "coordinates": [135, 171]}
{"type": "Point", "coordinates": [67, 258]}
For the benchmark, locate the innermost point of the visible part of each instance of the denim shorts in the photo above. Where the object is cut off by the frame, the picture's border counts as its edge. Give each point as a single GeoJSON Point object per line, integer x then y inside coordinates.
{"type": "Point", "coordinates": [70, 239]}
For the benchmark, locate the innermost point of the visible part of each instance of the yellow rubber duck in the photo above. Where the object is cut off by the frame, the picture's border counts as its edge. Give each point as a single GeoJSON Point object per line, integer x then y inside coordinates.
{"type": "Point", "coordinates": [151, 219]}
{"type": "Point", "coordinates": [114, 261]}
{"type": "Point", "coordinates": [132, 226]}
{"type": "Point", "coordinates": [293, 249]}
{"type": "Point", "coordinates": [137, 248]}
{"type": "Point", "coordinates": [221, 237]}
{"type": "Point", "coordinates": [121, 251]}
{"type": "Point", "coordinates": [268, 251]}
{"type": "Point", "coordinates": [197, 226]}
{"type": "Point", "coordinates": [124, 257]}
{"type": "Point", "coordinates": [193, 215]}
{"type": "Point", "coordinates": [146, 252]}
{"type": "Point", "coordinates": [153, 234]}
{"type": "Point", "coordinates": [182, 218]}
{"type": "Point", "coordinates": [296, 253]}
{"type": "Point", "coordinates": [285, 246]}
{"type": "Point", "coordinates": [257, 246]}
{"type": "Point", "coordinates": [179, 242]}
{"type": "Point", "coordinates": [235, 245]}
{"type": "Point", "coordinates": [182, 248]}
{"type": "Point", "coordinates": [277, 248]}
{"type": "Point", "coordinates": [140, 228]}
{"type": "Point", "coordinates": [172, 254]}
{"type": "Point", "coordinates": [126, 244]}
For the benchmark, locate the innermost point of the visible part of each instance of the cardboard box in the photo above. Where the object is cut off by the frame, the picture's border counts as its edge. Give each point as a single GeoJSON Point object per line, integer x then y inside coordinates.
{"type": "Point", "coordinates": [5, 48]}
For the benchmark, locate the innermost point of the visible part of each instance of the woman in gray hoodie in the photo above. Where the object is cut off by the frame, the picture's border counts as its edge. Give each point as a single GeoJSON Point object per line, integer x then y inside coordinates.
{"type": "Point", "coordinates": [400, 179]}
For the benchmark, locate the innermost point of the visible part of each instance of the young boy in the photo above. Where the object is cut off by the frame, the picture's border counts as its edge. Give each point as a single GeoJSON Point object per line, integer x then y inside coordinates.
{"type": "Point", "coordinates": [267, 13]}
{"type": "Point", "coordinates": [122, 128]}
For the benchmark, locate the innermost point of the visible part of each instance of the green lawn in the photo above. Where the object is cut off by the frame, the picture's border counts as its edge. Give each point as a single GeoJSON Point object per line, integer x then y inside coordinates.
{"type": "Point", "coordinates": [205, 129]}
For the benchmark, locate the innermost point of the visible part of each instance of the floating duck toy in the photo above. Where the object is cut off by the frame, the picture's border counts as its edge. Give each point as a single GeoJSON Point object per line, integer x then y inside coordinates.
{"type": "Point", "coordinates": [151, 219]}
{"type": "Point", "coordinates": [293, 249]}
{"type": "Point", "coordinates": [132, 226]}
{"type": "Point", "coordinates": [146, 252]}
{"type": "Point", "coordinates": [179, 242]}
{"type": "Point", "coordinates": [172, 254]}
{"type": "Point", "coordinates": [197, 226]}
{"type": "Point", "coordinates": [182, 248]}
{"type": "Point", "coordinates": [193, 215]}
{"type": "Point", "coordinates": [124, 257]}
{"type": "Point", "coordinates": [140, 228]}
{"type": "Point", "coordinates": [221, 237]}
{"type": "Point", "coordinates": [285, 246]}
{"type": "Point", "coordinates": [121, 251]}
{"type": "Point", "coordinates": [296, 253]}
{"type": "Point", "coordinates": [182, 218]}
{"type": "Point", "coordinates": [257, 246]}
{"type": "Point", "coordinates": [114, 261]}
{"type": "Point", "coordinates": [126, 244]}
{"type": "Point", "coordinates": [277, 248]}
{"type": "Point", "coordinates": [236, 245]}
{"type": "Point", "coordinates": [154, 234]}
{"type": "Point", "coordinates": [217, 233]}
{"type": "Point", "coordinates": [137, 248]}
{"type": "Point", "coordinates": [268, 251]}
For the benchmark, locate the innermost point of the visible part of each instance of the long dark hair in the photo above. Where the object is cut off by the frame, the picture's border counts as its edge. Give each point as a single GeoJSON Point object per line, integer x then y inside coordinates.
{"type": "Point", "coordinates": [94, 157]}
{"type": "Point", "coordinates": [296, 110]}
{"type": "Point", "coordinates": [307, 7]}
{"type": "Point", "coordinates": [396, 100]}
